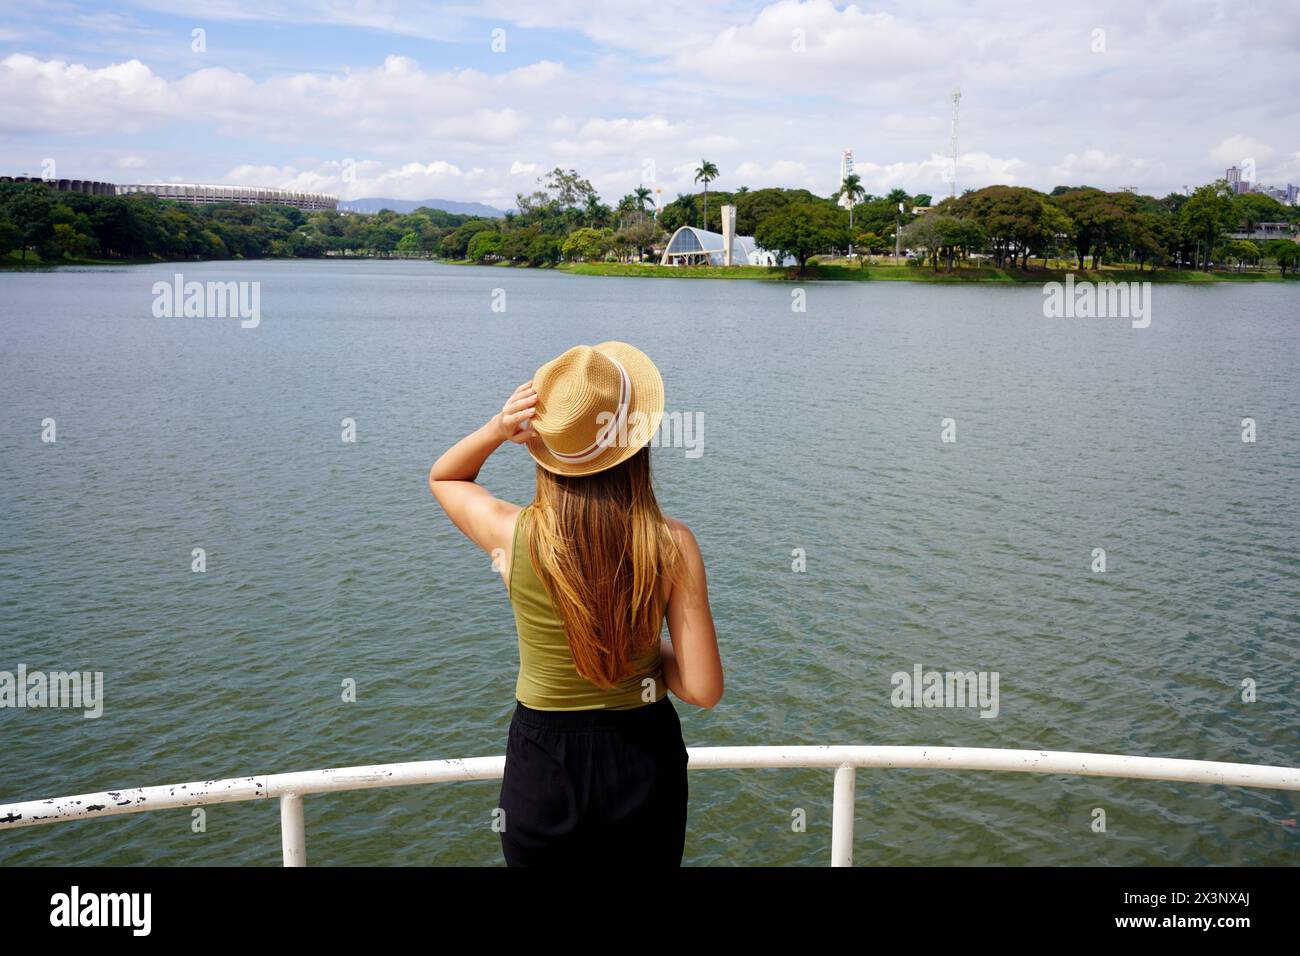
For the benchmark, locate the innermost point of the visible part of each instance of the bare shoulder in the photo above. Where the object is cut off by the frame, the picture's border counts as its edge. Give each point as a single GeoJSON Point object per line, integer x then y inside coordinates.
{"type": "Point", "coordinates": [679, 530]}
{"type": "Point", "coordinates": [505, 520]}
{"type": "Point", "coordinates": [506, 515]}
{"type": "Point", "coordinates": [497, 529]}
{"type": "Point", "coordinates": [685, 538]}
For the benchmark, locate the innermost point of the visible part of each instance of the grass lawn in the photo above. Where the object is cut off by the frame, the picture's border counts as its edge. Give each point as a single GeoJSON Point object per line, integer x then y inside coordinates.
{"type": "Point", "coordinates": [836, 270]}
{"type": "Point", "coordinates": [14, 260]}
{"type": "Point", "coordinates": [850, 271]}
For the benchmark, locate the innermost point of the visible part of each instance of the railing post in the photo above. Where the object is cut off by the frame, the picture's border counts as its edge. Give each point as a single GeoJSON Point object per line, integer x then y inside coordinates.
{"type": "Point", "coordinates": [842, 815]}
{"type": "Point", "coordinates": [293, 831]}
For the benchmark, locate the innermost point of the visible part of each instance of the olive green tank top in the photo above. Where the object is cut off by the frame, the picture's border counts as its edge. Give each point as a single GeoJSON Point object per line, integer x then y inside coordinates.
{"type": "Point", "coordinates": [548, 678]}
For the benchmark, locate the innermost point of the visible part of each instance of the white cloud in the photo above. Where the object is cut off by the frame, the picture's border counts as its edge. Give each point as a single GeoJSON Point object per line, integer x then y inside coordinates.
{"type": "Point", "coordinates": [713, 142]}
{"type": "Point", "coordinates": [395, 99]}
{"type": "Point", "coordinates": [1080, 168]}
{"type": "Point", "coordinates": [437, 179]}
{"type": "Point", "coordinates": [975, 170]}
{"type": "Point", "coordinates": [813, 45]}
{"type": "Point", "coordinates": [902, 123]}
{"type": "Point", "coordinates": [666, 82]}
{"type": "Point", "coordinates": [1238, 149]}
{"type": "Point", "coordinates": [55, 96]}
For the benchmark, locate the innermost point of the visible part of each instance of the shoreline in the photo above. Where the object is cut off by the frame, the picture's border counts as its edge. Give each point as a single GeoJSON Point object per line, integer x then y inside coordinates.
{"type": "Point", "coordinates": [980, 274]}
{"type": "Point", "coordinates": [814, 273]}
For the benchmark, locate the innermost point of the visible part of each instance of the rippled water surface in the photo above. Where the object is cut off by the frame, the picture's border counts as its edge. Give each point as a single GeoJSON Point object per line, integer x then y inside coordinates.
{"type": "Point", "coordinates": [329, 561]}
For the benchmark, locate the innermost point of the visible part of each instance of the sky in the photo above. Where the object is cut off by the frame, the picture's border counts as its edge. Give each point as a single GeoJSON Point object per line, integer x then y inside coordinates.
{"type": "Point", "coordinates": [474, 102]}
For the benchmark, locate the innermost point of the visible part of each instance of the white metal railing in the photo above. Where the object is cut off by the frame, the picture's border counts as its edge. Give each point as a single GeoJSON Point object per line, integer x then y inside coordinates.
{"type": "Point", "coordinates": [291, 787]}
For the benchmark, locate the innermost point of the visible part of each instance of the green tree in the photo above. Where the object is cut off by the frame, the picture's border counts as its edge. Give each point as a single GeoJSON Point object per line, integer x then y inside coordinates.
{"type": "Point", "coordinates": [956, 237]}
{"type": "Point", "coordinates": [588, 244]}
{"type": "Point", "coordinates": [1016, 220]}
{"type": "Point", "coordinates": [637, 232]}
{"type": "Point", "coordinates": [11, 237]}
{"type": "Point", "coordinates": [868, 242]}
{"type": "Point", "coordinates": [544, 250]}
{"type": "Point", "coordinates": [1096, 221]}
{"type": "Point", "coordinates": [752, 207]}
{"type": "Point", "coordinates": [1242, 251]}
{"type": "Point", "coordinates": [1146, 233]}
{"type": "Point", "coordinates": [566, 188]}
{"type": "Point", "coordinates": [680, 212]}
{"type": "Point", "coordinates": [852, 191]}
{"type": "Point", "coordinates": [515, 243]}
{"type": "Point", "coordinates": [71, 242]}
{"type": "Point", "coordinates": [595, 212]}
{"type": "Point", "coordinates": [409, 244]}
{"type": "Point", "coordinates": [455, 245]}
{"type": "Point", "coordinates": [1250, 209]}
{"type": "Point", "coordinates": [922, 235]}
{"type": "Point", "coordinates": [881, 216]}
{"type": "Point", "coordinates": [706, 173]}
{"type": "Point", "coordinates": [485, 245]}
{"type": "Point", "coordinates": [942, 237]}
{"type": "Point", "coordinates": [803, 230]}
{"type": "Point", "coordinates": [1286, 252]}
{"type": "Point", "coordinates": [28, 207]}
{"type": "Point", "coordinates": [558, 205]}
{"type": "Point", "coordinates": [1205, 217]}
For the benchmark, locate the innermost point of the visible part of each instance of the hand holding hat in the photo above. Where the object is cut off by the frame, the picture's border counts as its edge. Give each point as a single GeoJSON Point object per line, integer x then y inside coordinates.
{"type": "Point", "coordinates": [593, 407]}
{"type": "Point", "coordinates": [519, 408]}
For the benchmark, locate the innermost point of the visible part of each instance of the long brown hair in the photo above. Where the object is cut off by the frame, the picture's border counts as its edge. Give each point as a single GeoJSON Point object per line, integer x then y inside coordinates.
{"type": "Point", "coordinates": [602, 548]}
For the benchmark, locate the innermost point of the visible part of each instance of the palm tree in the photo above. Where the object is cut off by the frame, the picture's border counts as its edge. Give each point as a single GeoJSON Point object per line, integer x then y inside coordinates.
{"type": "Point", "coordinates": [596, 211]}
{"type": "Point", "coordinates": [642, 193]}
{"type": "Point", "coordinates": [706, 173]}
{"type": "Point", "coordinates": [851, 189]}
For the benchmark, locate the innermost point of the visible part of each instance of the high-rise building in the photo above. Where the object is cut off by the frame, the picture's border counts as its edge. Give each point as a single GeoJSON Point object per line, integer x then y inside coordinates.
{"type": "Point", "coordinates": [1275, 192]}
{"type": "Point", "coordinates": [846, 170]}
{"type": "Point", "coordinates": [1235, 182]}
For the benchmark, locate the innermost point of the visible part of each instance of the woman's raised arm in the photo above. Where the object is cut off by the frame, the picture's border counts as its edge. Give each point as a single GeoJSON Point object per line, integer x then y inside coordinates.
{"type": "Point", "coordinates": [482, 518]}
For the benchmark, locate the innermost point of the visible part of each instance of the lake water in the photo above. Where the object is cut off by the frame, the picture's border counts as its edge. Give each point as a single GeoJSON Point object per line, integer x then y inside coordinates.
{"type": "Point", "coordinates": [329, 561]}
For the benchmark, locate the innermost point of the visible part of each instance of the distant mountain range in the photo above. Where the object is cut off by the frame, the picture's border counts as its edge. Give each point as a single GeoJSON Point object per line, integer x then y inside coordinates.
{"type": "Point", "coordinates": [410, 205]}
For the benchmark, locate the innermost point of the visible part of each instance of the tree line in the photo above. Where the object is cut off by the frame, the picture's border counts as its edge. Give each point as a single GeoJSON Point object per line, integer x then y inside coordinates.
{"type": "Point", "coordinates": [57, 226]}
{"type": "Point", "coordinates": [1013, 225]}
{"type": "Point", "coordinates": [564, 219]}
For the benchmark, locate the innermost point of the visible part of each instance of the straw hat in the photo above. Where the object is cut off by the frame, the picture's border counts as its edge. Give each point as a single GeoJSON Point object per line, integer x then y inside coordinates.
{"type": "Point", "coordinates": [597, 406]}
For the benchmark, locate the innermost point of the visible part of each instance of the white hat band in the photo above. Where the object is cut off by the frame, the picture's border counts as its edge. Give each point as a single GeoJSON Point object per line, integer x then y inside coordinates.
{"type": "Point", "coordinates": [611, 430]}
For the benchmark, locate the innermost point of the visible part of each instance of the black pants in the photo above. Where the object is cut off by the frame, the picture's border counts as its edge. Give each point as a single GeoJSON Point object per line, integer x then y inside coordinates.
{"type": "Point", "coordinates": [603, 787]}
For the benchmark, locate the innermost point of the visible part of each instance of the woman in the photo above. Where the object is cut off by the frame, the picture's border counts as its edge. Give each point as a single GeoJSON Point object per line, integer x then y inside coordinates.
{"type": "Point", "coordinates": [595, 762]}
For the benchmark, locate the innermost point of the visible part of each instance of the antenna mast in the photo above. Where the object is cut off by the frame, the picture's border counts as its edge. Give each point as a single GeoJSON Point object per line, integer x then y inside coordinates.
{"type": "Point", "coordinates": [956, 102]}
